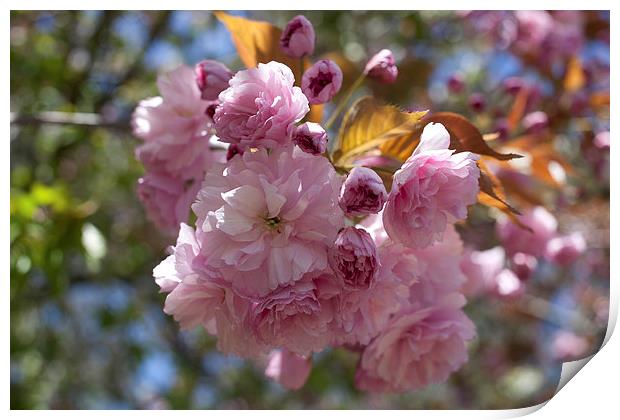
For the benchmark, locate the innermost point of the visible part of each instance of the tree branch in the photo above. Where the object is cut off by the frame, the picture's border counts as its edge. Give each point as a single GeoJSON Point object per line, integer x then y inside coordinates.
{"type": "Point", "coordinates": [83, 119]}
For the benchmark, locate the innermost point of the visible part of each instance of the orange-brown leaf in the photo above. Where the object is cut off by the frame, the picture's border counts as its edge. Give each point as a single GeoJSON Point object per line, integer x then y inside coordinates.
{"type": "Point", "coordinates": [465, 135]}
{"type": "Point", "coordinates": [575, 78]}
{"type": "Point", "coordinates": [369, 124]}
{"type": "Point", "coordinates": [491, 191]}
{"type": "Point", "coordinates": [518, 109]}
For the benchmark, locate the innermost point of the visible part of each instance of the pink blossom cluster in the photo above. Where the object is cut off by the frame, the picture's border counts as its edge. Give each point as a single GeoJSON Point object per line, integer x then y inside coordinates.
{"type": "Point", "coordinates": [288, 256]}
{"type": "Point", "coordinates": [546, 35]}
{"type": "Point", "coordinates": [504, 270]}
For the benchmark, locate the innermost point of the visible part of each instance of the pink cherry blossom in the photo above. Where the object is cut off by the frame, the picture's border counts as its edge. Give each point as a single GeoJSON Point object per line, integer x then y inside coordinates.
{"type": "Point", "coordinates": [382, 67]}
{"type": "Point", "coordinates": [567, 346]}
{"type": "Point", "coordinates": [419, 347]}
{"type": "Point", "coordinates": [362, 193]}
{"type": "Point", "coordinates": [432, 188]}
{"type": "Point", "coordinates": [261, 107]}
{"type": "Point", "coordinates": [362, 314]}
{"type": "Point", "coordinates": [311, 138]}
{"type": "Point", "coordinates": [321, 81]}
{"type": "Point", "coordinates": [288, 369]}
{"type": "Point", "coordinates": [167, 199]}
{"type": "Point", "coordinates": [481, 268]}
{"type": "Point", "coordinates": [174, 127]}
{"type": "Point", "coordinates": [198, 296]}
{"type": "Point", "coordinates": [298, 37]}
{"type": "Point", "coordinates": [212, 78]}
{"type": "Point", "coordinates": [533, 27]}
{"type": "Point", "coordinates": [439, 272]}
{"type": "Point", "coordinates": [353, 258]}
{"type": "Point", "coordinates": [293, 316]}
{"type": "Point", "coordinates": [564, 250]}
{"type": "Point", "coordinates": [516, 238]}
{"type": "Point", "coordinates": [269, 217]}
{"type": "Point", "coordinates": [602, 140]}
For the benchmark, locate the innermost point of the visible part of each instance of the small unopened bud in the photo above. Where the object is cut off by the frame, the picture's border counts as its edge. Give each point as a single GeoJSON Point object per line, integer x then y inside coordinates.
{"type": "Point", "coordinates": [354, 258]}
{"type": "Point", "coordinates": [477, 102]}
{"type": "Point", "coordinates": [311, 138]}
{"type": "Point", "coordinates": [513, 85]}
{"type": "Point", "coordinates": [535, 122]}
{"type": "Point", "coordinates": [362, 193]}
{"type": "Point", "coordinates": [456, 83]}
{"type": "Point", "coordinates": [212, 78]}
{"type": "Point", "coordinates": [321, 82]}
{"type": "Point", "coordinates": [298, 37]}
{"type": "Point", "coordinates": [523, 265]}
{"type": "Point", "coordinates": [564, 250]}
{"type": "Point", "coordinates": [382, 67]}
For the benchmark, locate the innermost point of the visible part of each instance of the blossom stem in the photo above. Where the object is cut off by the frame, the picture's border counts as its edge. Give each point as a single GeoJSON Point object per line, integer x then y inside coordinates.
{"type": "Point", "coordinates": [301, 70]}
{"type": "Point", "coordinates": [344, 101]}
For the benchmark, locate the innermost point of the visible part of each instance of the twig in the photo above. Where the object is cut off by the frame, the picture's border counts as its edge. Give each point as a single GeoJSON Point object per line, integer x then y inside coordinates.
{"type": "Point", "coordinates": [83, 119]}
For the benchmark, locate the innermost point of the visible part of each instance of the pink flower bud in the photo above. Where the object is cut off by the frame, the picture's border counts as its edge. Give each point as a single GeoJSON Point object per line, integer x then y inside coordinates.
{"type": "Point", "coordinates": [535, 122]}
{"type": "Point", "coordinates": [567, 346]}
{"type": "Point", "coordinates": [513, 85]}
{"type": "Point", "coordinates": [564, 250]}
{"type": "Point", "coordinates": [523, 265]}
{"type": "Point", "coordinates": [212, 78]}
{"type": "Point", "coordinates": [288, 369]}
{"type": "Point", "coordinates": [298, 37]}
{"type": "Point", "coordinates": [477, 102]}
{"type": "Point", "coordinates": [362, 193]}
{"type": "Point", "coordinates": [354, 258]}
{"type": "Point", "coordinates": [601, 140]}
{"type": "Point", "coordinates": [515, 238]}
{"type": "Point", "coordinates": [382, 67]}
{"type": "Point", "coordinates": [456, 83]}
{"type": "Point", "coordinates": [321, 82]}
{"type": "Point", "coordinates": [311, 138]}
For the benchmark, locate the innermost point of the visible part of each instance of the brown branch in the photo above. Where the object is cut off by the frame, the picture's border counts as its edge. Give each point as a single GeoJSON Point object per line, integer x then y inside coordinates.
{"type": "Point", "coordinates": [82, 119]}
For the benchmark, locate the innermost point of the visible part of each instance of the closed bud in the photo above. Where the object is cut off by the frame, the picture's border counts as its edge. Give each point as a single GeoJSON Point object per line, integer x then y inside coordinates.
{"type": "Point", "coordinates": [535, 122]}
{"type": "Point", "coordinates": [321, 82]}
{"type": "Point", "coordinates": [477, 102]}
{"type": "Point", "coordinates": [212, 78]}
{"type": "Point", "coordinates": [382, 67]}
{"type": "Point", "coordinates": [354, 258]}
{"type": "Point", "coordinates": [311, 138]}
{"type": "Point", "coordinates": [362, 193]}
{"type": "Point", "coordinates": [298, 37]}
{"type": "Point", "coordinates": [523, 265]}
{"type": "Point", "coordinates": [513, 85]}
{"type": "Point", "coordinates": [456, 83]}
{"type": "Point", "coordinates": [564, 250]}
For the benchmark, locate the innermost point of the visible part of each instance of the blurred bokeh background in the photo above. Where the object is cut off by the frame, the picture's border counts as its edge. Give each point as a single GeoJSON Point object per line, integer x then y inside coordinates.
{"type": "Point", "coordinates": [87, 327]}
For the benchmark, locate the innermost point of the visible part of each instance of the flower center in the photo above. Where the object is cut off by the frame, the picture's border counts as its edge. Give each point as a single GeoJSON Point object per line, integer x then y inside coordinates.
{"type": "Point", "coordinates": [273, 222]}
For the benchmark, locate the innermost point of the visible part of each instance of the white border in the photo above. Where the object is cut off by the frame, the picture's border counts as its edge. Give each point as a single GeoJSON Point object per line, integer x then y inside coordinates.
{"type": "Point", "coordinates": [593, 394]}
